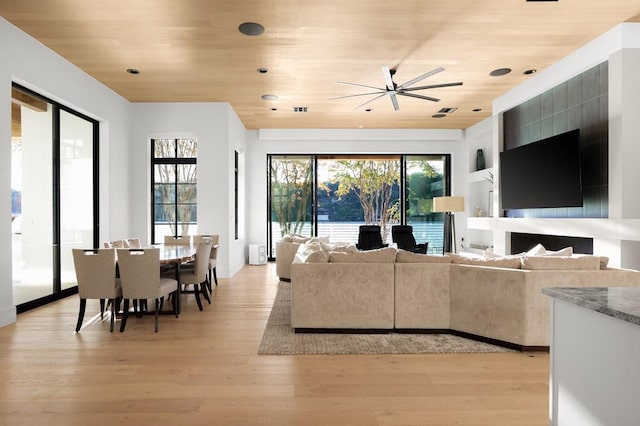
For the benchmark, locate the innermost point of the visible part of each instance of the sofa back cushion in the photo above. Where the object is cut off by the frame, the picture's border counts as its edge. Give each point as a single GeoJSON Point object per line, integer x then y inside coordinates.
{"type": "Point", "coordinates": [498, 262]}
{"type": "Point", "coordinates": [555, 263]}
{"type": "Point", "coordinates": [383, 255]}
{"type": "Point", "coordinates": [404, 256]}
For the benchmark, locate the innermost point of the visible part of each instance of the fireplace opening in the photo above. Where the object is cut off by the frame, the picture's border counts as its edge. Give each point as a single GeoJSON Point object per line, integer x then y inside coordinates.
{"type": "Point", "coordinates": [521, 242]}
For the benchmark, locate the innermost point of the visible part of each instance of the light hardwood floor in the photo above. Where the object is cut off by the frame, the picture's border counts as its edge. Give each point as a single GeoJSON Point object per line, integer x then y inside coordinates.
{"type": "Point", "coordinates": [202, 369]}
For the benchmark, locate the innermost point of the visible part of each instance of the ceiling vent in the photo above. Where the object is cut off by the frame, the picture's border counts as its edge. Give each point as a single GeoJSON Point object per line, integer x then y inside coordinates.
{"type": "Point", "coordinates": [447, 110]}
{"type": "Point", "coordinates": [300, 109]}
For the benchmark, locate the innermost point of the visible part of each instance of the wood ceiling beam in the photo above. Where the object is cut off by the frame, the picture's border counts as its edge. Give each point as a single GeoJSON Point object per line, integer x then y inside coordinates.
{"type": "Point", "coordinates": [26, 100]}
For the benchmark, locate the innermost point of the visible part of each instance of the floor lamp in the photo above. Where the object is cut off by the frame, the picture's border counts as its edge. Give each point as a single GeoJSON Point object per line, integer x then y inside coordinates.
{"type": "Point", "coordinates": [449, 205]}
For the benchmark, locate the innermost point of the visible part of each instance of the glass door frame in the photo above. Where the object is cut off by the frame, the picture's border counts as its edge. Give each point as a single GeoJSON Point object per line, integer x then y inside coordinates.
{"type": "Point", "coordinates": [57, 291]}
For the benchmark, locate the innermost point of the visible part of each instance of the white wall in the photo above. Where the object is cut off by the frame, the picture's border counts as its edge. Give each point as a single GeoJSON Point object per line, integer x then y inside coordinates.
{"type": "Point", "coordinates": [26, 61]}
{"type": "Point", "coordinates": [347, 141]}
{"type": "Point", "coordinates": [219, 133]}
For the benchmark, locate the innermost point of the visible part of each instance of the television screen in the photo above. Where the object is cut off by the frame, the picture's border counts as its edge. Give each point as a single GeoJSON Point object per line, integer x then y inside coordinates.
{"type": "Point", "coordinates": [542, 174]}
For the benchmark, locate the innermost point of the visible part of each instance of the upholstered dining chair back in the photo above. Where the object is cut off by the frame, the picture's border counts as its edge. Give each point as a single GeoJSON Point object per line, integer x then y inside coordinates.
{"type": "Point", "coordinates": [96, 273]}
{"type": "Point", "coordinates": [139, 273]}
{"type": "Point", "coordinates": [96, 278]}
{"type": "Point", "coordinates": [184, 240]}
{"type": "Point", "coordinates": [114, 244]}
{"type": "Point", "coordinates": [132, 243]}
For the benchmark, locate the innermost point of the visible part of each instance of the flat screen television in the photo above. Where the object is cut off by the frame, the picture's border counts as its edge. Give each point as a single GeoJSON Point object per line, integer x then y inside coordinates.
{"type": "Point", "coordinates": [542, 174]}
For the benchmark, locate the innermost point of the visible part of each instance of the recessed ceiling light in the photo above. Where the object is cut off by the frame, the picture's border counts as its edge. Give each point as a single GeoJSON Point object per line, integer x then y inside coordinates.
{"type": "Point", "coordinates": [500, 71]}
{"type": "Point", "coordinates": [133, 71]}
{"type": "Point", "coordinates": [530, 71]}
{"type": "Point", "coordinates": [251, 28]}
{"type": "Point", "coordinates": [368, 110]}
{"type": "Point", "coordinates": [438, 115]}
{"type": "Point", "coordinates": [274, 109]}
{"type": "Point", "coordinates": [476, 109]}
{"type": "Point", "coordinates": [447, 110]}
{"type": "Point", "coordinates": [270, 97]}
{"type": "Point", "coordinates": [262, 70]}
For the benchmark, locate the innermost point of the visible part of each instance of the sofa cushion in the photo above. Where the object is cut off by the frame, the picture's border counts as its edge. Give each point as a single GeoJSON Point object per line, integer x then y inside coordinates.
{"type": "Point", "coordinates": [497, 262]}
{"type": "Point", "coordinates": [339, 247]}
{"type": "Point", "coordinates": [311, 252]}
{"type": "Point", "coordinates": [567, 251]}
{"type": "Point", "coordinates": [404, 256]}
{"type": "Point", "coordinates": [554, 263]}
{"type": "Point", "coordinates": [383, 255]}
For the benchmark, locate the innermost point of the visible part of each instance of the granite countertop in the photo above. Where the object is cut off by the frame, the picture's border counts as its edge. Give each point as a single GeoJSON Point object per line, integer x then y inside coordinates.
{"type": "Point", "coordinates": [618, 302]}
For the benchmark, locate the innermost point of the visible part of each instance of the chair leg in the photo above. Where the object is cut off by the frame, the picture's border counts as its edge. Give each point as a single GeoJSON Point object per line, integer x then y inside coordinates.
{"type": "Point", "coordinates": [174, 299]}
{"type": "Point", "coordinates": [197, 293]}
{"type": "Point", "coordinates": [157, 313]}
{"type": "Point", "coordinates": [215, 276]}
{"type": "Point", "coordinates": [101, 309]}
{"type": "Point", "coordinates": [113, 314]}
{"type": "Point", "coordinates": [203, 287]}
{"type": "Point", "coordinates": [83, 307]}
{"type": "Point", "coordinates": [125, 314]}
{"type": "Point", "coordinates": [209, 281]}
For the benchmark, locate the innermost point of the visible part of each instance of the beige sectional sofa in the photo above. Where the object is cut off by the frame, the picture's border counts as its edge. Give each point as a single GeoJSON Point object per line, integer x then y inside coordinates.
{"type": "Point", "coordinates": [494, 298]}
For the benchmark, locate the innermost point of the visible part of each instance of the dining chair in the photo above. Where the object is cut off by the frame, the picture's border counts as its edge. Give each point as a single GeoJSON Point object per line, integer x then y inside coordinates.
{"type": "Point", "coordinates": [132, 243]}
{"type": "Point", "coordinates": [141, 280]}
{"type": "Point", "coordinates": [197, 274]}
{"type": "Point", "coordinates": [96, 277]}
{"type": "Point", "coordinates": [213, 258]}
{"type": "Point", "coordinates": [184, 240]}
{"type": "Point", "coordinates": [114, 244]}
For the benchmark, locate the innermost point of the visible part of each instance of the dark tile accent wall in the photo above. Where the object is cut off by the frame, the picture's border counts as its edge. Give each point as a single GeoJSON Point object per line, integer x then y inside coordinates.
{"type": "Point", "coordinates": [579, 103]}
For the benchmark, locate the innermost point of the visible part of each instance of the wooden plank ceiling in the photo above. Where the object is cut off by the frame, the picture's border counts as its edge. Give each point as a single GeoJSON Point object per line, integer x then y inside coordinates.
{"type": "Point", "coordinates": [191, 50]}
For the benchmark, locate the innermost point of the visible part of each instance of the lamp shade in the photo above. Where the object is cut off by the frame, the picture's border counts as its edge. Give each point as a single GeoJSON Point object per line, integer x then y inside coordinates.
{"type": "Point", "coordinates": [448, 204]}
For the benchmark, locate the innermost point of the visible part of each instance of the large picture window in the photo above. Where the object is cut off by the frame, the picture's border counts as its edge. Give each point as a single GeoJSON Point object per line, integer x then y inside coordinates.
{"type": "Point", "coordinates": [174, 187]}
{"type": "Point", "coordinates": [332, 195]}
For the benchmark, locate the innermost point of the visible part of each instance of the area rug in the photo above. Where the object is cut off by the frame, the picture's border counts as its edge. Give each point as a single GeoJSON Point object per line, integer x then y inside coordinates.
{"type": "Point", "coordinates": [279, 338]}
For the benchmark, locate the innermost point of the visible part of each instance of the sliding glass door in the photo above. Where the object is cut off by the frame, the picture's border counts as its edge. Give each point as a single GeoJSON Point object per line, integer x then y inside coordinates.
{"type": "Point", "coordinates": [53, 196]}
{"type": "Point", "coordinates": [332, 195]}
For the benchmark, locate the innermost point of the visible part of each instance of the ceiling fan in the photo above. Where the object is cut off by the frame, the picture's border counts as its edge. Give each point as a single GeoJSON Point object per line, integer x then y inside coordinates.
{"type": "Point", "coordinates": [392, 89]}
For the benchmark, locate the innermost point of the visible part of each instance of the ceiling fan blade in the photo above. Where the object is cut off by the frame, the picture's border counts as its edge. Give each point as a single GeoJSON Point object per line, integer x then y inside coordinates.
{"type": "Point", "coordinates": [386, 72]}
{"type": "Point", "coordinates": [369, 101]}
{"type": "Point", "coordinates": [420, 77]}
{"type": "Point", "coordinates": [432, 86]}
{"type": "Point", "coordinates": [413, 95]}
{"type": "Point", "coordinates": [394, 101]}
{"type": "Point", "coordinates": [359, 85]}
{"type": "Point", "coordinates": [359, 94]}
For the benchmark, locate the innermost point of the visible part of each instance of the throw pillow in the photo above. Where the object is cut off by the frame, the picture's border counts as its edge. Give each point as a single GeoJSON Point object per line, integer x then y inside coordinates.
{"type": "Point", "coordinates": [567, 251]}
{"type": "Point", "coordinates": [537, 250]}
{"type": "Point", "coordinates": [383, 255]}
{"type": "Point", "coordinates": [339, 247]}
{"type": "Point", "coordinates": [311, 252]}
{"type": "Point", "coordinates": [557, 263]}
{"type": "Point", "coordinates": [404, 256]}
